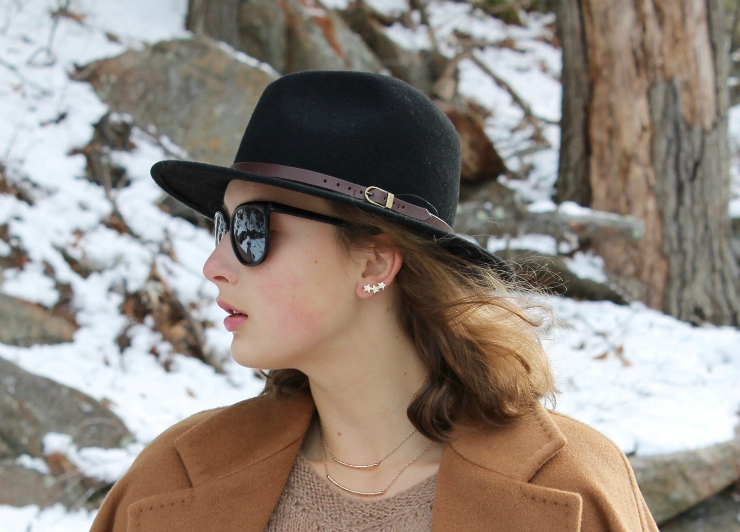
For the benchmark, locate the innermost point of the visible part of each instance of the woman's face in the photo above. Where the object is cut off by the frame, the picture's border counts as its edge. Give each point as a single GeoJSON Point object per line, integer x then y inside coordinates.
{"type": "Point", "coordinates": [300, 298]}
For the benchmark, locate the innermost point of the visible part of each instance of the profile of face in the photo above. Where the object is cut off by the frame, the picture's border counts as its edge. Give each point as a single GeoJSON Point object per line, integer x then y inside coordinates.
{"type": "Point", "coordinates": [301, 300]}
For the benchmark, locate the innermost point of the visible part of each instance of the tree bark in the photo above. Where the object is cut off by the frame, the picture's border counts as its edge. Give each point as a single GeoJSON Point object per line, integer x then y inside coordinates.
{"type": "Point", "coordinates": [215, 18]}
{"type": "Point", "coordinates": [573, 183]}
{"type": "Point", "coordinates": [656, 147]}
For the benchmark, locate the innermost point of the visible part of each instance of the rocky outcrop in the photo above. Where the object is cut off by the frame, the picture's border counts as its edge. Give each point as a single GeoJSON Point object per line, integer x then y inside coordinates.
{"type": "Point", "coordinates": [295, 35]}
{"type": "Point", "coordinates": [720, 513]}
{"type": "Point", "coordinates": [31, 406]}
{"type": "Point", "coordinates": [196, 91]}
{"type": "Point", "coordinates": [418, 68]}
{"type": "Point", "coordinates": [21, 486]}
{"type": "Point", "coordinates": [674, 483]}
{"type": "Point", "coordinates": [24, 324]}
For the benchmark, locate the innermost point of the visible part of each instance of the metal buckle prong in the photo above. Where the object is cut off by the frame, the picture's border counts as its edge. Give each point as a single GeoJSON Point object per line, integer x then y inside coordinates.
{"type": "Point", "coordinates": [388, 201]}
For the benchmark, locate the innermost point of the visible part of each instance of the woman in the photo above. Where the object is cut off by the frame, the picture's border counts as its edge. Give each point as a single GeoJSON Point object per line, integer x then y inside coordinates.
{"type": "Point", "coordinates": [404, 374]}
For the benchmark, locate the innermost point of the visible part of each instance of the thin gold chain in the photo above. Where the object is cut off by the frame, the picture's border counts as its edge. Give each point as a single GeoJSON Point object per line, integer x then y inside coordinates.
{"type": "Point", "coordinates": [328, 476]}
{"type": "Point", "coordinates": [367, 466]}
{"type": "Point", "coordinates": [337, 460]}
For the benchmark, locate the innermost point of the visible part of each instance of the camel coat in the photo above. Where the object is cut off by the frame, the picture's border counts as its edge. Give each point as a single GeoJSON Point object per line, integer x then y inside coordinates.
{"type": "Point", "coordinates": [224, 469]}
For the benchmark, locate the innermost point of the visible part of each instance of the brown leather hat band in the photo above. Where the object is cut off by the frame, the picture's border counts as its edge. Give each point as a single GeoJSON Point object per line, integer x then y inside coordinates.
{"type": "Point", "coordinates": [379, 196]}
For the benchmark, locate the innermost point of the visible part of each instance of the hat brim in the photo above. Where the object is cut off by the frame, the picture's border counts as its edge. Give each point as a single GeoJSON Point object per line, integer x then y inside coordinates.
{"type": "Point", "coordinates": [201, 187]}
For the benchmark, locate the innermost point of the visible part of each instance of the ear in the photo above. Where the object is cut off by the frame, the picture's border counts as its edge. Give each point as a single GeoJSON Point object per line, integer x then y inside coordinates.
{"type": "Point", "coordinates": [381, 264]}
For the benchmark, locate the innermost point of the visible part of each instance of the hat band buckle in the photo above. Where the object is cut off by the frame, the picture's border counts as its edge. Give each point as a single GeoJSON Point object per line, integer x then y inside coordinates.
{"type": "Point", "coordinates": [388, 201]}
{"type": "Point", "coordinates": [309, 177]}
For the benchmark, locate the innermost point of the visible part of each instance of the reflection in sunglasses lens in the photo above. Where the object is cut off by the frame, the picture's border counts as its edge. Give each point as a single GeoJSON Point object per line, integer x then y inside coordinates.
{"type": "Point", "coordinates": [219, 226]}
{"type": "Point", "coordinates": [250, 233]}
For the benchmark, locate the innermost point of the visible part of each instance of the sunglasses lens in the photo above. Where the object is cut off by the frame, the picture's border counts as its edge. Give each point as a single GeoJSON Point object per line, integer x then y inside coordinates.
{"type": "Point", "coordinates": [250, 233]}
{"type": "Point", "coordinates": [220, 227]}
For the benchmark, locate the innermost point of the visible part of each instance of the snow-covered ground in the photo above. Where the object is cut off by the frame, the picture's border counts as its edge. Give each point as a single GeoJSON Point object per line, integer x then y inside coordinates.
{"type": "Point", "coordinates": [651, 383]}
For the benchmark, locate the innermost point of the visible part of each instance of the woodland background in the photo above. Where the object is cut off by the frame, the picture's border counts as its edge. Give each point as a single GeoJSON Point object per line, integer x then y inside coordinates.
{"type": "Point", "coordinates": [601, 154]}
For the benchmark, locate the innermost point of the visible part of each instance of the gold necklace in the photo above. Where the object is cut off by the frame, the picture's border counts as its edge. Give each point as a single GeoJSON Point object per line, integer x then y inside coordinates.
{"type": "Point", "coordinates": [337, 484]}
{"type": "Point", "coordinates": [367, 466]}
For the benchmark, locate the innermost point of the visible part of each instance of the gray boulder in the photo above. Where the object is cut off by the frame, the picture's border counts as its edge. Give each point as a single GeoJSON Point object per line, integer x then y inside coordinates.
{"type": "Point", "coordinates": [720, 513]}
{"type": "Point", "coordinates": [20, 486]}
{"type": "Point", "coordinates": [24, 324]}
{"type": "Point", "coordinates": [297, 35]}
{"type": "Point", "coordinates": [196, 91]}
{"type": "Point", "coordinates": [31, 406]}
{"type": "Point", "coordinates": [674, 483]}
{"type": "Point", "coordinates": [418, 68]}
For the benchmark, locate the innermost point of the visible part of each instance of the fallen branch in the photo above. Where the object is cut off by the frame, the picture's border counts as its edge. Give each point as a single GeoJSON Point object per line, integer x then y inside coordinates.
{"type": "Point", "coordinates": [479, 218]}
{"type": "Point", "coordinates": [551, 274]}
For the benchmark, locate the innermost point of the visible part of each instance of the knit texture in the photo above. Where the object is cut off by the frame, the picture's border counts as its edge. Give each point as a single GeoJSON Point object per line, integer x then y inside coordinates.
{"type": "Point", "coordinates": [309, 504]}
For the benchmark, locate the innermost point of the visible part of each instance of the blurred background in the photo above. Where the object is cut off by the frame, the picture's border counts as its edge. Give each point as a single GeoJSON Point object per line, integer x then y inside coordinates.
{"type": "Point", "coordinates": [601, 154]}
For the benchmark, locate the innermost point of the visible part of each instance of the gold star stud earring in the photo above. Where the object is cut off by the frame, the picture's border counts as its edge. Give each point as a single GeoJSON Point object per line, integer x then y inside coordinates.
{"type": "Point", "coordinates": [374, 288]}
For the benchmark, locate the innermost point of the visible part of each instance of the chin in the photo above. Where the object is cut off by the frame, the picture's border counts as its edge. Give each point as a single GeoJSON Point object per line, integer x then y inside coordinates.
{"type": "Point", "coordinates": [259, 360]}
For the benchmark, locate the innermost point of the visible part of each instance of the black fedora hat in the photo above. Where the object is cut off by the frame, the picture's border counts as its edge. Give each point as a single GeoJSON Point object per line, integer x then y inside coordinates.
{"type": "Point", "coordinates": [369, 140]}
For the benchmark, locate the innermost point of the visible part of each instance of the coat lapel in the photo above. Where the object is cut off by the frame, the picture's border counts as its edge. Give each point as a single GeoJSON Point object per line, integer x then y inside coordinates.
{"type": "Point", "coordinates": [239, 460]}
{"type": "Point", "coordinates": [484, 474]}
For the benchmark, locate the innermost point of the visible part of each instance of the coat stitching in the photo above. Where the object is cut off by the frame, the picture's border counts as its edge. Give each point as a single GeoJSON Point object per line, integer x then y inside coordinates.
{"type": "Point", "coordinates": [522, 486]}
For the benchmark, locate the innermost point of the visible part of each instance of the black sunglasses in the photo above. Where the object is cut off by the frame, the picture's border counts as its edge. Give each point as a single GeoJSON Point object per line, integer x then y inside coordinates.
{"type": "Point", "coordinates": [249, 227]}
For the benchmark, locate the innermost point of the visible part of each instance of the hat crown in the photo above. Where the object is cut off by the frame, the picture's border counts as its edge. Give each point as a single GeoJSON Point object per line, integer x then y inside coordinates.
{"type": "Point", "coordinates": [368, 129]}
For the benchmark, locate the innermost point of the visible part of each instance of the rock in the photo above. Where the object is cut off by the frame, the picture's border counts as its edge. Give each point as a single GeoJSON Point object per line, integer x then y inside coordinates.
{"type": "Point", "coordinates": [262, 32]}
{"type": "Point", "coordinates": [31, 406]}
{"type": "Point", "coordinates": [720, 513]}
{"type": "Point", "coordinates": [296, 35]}
{"type": "Point", "coordinates": [674, 483]}
{"type": "Point", "coordinates": [20, 486]}
{"type": "Point", "coordinates": [480, 160]}
{"type": "Point", "coordinates": [194, 90]}
{"type": "Point", "coordinates": [418, 68]}
{"type": "Point", "coordinates": [24, 324]}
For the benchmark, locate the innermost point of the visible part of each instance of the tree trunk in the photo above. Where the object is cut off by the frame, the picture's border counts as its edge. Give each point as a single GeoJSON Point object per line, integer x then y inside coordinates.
{"type": "Point", "coordinates": [656, 147]}
{"type": "Point", "coordinates": [215, 18]}
{"type": "Point", "coordinates": [573, 183]}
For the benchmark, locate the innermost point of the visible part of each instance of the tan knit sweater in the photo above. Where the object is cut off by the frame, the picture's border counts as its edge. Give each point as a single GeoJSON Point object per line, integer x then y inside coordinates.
{"type": "Point", "coordinates": [308, 504]}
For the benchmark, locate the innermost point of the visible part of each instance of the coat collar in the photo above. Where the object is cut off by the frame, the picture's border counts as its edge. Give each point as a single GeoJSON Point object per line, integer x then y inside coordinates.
{"type": "Point", "coordinates": [245, 453]}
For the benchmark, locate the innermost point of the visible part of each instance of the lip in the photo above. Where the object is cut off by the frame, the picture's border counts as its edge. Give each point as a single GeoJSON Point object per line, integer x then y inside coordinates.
{"type": "Point", "coordinates": [232, 321]}
{"type": "Point", "coordinates": [228, 307]}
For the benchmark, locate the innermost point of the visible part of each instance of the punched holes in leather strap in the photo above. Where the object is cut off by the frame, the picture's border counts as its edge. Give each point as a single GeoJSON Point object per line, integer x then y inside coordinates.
{"type": "Point", "coordinates": [371, 194]}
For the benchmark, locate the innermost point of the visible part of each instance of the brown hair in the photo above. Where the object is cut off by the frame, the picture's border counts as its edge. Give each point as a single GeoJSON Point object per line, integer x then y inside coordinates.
{"type": "Point", "coordinates": [475, 332]}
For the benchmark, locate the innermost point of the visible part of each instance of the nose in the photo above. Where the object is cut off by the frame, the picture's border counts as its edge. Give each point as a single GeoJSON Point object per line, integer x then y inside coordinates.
{"type": "Point", "coordinates": [222, 265]}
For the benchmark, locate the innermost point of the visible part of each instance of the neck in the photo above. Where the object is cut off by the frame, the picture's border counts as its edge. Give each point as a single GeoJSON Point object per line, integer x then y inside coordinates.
{"type": "Point", "coordinates": [361, 390]}
{"type": "Point", "coordinates": [363, 413]}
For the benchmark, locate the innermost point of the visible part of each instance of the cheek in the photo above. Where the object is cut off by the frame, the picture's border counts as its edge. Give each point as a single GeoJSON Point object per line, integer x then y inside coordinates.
{"type": "Point", "coordinates": [301, 299]}
{"type": "Point", "coordinates": [292, 303]}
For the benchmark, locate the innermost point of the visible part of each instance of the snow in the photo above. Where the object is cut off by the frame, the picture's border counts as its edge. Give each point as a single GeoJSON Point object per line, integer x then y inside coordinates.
{"type": "Point", "coordinates": [104, 464]}
{"type": "Point", "coordinates": [541, 243]}
{"type": "Point", "coordinates": [587, 265]}
{"type": "Point", "coordinates": [30, 284]}
{"type": "Point", "coordinates": [649, 382]}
